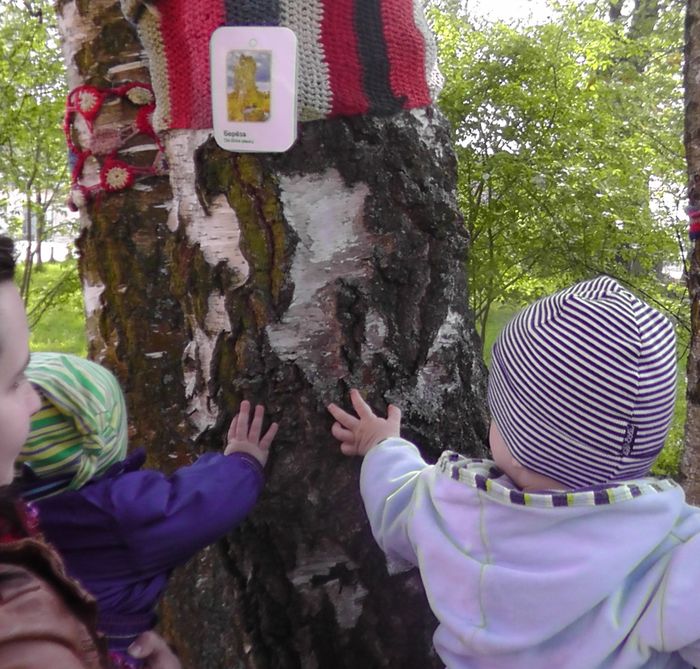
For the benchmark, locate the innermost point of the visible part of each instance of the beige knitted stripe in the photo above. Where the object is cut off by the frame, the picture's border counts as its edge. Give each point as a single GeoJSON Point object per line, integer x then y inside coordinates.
{"type": "Point", "coordinates": [433, 75]}
{"type": "Point", "coordinates": [150, 34]}
{"type": "Point", "coordinates": [315, 99]}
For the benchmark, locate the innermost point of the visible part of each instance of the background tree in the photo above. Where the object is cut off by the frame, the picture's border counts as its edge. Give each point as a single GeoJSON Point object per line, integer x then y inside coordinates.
{"type": "Point", "coordinates": [691, 458]}
{"type": "Point", "coordinates": [33, 169]}
{"type": "Point", "coordinates": [284, 279]}
{"type": "Point", "coordinates": [568, 142]}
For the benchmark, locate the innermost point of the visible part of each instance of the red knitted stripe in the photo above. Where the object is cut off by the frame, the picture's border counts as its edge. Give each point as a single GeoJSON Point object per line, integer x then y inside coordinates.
{"type": "Point", "coordinates": [340, 47]}
{"type": "Point", "coordinates": [183, 22]}
{"type": "Point", "coordinates": [406, 50]}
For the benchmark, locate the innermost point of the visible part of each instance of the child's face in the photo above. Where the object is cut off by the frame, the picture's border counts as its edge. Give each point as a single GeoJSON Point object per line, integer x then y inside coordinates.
{"type": "Point", "coordinates": [18, 399]}
{"type": "Point", "coordinates": [523, 477]}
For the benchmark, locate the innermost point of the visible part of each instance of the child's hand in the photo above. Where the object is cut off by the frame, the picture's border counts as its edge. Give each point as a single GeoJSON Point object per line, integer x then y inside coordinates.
{"type": "Point", "coordinates": [359, 435]}
{"type": "Point", "coordinates": [152, 648]}
{"type": "Point", "coordinates": [242, 439]}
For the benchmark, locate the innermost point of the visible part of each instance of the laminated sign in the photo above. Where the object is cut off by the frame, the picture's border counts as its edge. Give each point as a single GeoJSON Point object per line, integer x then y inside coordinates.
{"type": "Point", "coordinates": [253, 88]}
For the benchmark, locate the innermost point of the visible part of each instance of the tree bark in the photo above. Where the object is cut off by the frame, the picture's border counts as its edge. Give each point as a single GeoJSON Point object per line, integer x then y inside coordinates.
{"type": "Point", "coordinates": [285, 279]}
{"type": "Point", "coordinates": [691, 456]}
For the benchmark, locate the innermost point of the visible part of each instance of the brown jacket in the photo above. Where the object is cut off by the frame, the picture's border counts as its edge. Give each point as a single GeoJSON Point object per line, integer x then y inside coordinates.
{"type": "Point", "coordinates": [46, 619]}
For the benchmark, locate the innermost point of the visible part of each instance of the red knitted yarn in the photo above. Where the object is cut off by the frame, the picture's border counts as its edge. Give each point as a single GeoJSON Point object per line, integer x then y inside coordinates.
{"type": "Point", "coordinates": [355, 56]}
{"type": "Point", "coordinates": [344, 68]}
{"type": "Point", "coordinates": [406, 50]}
{"type": "Point", "coordinates": [694, 225]}
{"type": "Point", "coordinates": [144, 121]}
{"type": "Point", "coordinates": [186, 26]}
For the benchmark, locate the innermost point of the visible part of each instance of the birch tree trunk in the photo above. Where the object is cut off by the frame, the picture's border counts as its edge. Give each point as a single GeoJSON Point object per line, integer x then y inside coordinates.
{"type": "Point", "coordinates": [284, 279]}
{"type": "Point", "coordinates": [691, 456]}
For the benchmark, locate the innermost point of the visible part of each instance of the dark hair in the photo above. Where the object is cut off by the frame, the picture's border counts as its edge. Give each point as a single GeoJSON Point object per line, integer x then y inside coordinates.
{"type": "Point", "coordinates": [7, 258]}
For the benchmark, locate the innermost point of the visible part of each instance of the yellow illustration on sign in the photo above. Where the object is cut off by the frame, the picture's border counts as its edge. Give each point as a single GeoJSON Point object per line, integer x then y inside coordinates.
{"type": "Point", "coordinates": [246, 101]}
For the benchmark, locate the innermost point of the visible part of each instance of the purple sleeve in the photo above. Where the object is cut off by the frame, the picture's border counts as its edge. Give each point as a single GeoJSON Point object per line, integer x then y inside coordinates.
{"type": "Point", "coordinates": [165, 520]}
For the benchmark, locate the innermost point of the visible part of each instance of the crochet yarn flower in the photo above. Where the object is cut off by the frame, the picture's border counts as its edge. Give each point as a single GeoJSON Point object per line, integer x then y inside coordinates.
{"type": "Point", "coordinates": [116, 175]}
{"type": "Point", "coordinates": [88, 100]}
{"type": "Point", "coordinates": [140, 95]}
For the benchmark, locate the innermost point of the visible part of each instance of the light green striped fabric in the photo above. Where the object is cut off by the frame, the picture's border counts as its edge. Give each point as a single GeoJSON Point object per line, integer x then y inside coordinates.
{"type": "Point", "coordinates": [81, 428]}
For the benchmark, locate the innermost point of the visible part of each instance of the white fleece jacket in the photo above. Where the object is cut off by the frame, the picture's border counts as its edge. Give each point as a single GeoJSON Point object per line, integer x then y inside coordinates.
{"type": "Point", "coordinates": [602, 579]}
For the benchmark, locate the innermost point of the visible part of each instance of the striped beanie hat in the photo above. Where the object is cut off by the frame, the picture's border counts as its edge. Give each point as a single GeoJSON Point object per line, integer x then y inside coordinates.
{"type": "Point", "coordinates": [81, 428]}
{"type": "Point", "coordinates": [582, 384]}
{"type": "Point", "coordinates": [354, 56]}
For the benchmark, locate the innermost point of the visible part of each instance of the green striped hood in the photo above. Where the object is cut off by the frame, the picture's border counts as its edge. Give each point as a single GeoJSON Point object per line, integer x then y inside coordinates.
{"type": "Point", "coordinates": [81, 428]}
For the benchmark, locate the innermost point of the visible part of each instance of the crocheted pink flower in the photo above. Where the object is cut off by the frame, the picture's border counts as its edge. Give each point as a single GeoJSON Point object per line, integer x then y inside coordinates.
{"type": "Point", "coordinates": [116, 175]}
{"type": "Point", "coordinates": [88, 100]}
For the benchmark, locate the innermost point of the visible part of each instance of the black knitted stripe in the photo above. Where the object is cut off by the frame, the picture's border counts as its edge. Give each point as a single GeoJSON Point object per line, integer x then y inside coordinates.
{"type": "Point", "coordinates": [373, 58]}
{"type": "Point", "coordinates": [252, 12]}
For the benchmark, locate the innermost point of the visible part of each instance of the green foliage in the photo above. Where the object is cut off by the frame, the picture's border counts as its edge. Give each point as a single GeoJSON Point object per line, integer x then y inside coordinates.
{"type": "Point", "coordinates": [33, 167]}
{"type": "Point", "coordinates": [32, 94]}
{"type": "Point", "coordinates": [568, 136]}
{"type": "Point", "coordinates": [55, 309]}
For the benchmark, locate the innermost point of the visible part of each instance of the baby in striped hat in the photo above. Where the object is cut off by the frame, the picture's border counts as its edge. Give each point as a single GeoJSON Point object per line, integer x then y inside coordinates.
{"type": "Point", "coordinates": [562, 552]}
{"type": "Point", "coordinates": [122, 529]}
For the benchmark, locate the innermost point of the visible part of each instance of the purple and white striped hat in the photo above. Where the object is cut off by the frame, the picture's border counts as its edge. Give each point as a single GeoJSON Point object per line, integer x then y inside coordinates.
{"type": "Point", "coordinates": [583, 383]}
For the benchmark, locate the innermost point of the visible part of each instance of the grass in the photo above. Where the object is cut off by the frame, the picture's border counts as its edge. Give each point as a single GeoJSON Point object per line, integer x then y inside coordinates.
{"type": "Point", "coordinates": [668, 462]}
{"type": "Point", "coordinates": [56, 312]}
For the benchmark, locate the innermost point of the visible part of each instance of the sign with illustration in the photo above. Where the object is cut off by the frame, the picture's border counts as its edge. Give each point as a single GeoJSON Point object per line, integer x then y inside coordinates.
{"type": "Point", "coordinates": [253, 88]}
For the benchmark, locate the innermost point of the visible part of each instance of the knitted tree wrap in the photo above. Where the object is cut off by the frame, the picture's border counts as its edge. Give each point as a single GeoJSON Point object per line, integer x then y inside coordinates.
{"type": "Point", "coordinates": [354, 56]}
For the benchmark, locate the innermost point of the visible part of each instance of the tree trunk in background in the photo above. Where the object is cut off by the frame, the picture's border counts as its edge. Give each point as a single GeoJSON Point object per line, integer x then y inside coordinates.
{"type": "Point", "coordinates": [691, 456]}
{"type": "Point", "coordinates": [284, 279]}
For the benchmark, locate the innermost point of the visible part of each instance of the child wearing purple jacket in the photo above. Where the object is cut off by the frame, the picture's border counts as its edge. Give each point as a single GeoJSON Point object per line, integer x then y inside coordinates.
{"type": "Point", "coordinates": [119, 528]}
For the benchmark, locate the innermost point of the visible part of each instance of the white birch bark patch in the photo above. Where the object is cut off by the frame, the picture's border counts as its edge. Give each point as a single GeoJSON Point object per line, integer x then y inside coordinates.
{"type": "Point", "coordinates": [327, 217]}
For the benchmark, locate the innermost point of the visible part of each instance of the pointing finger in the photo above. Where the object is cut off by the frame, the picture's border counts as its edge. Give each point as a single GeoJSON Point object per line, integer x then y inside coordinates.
{"type": "Point", "coordinates": [256, 424]}
{"type": "Point", "coordinates": [361, 407]}
{"type": "Point", "coordinates": [393, 415]}
{"type": "Point", "coordinates": [232, 429]}
{"type": "Point", "coordinates": [242, 424]}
